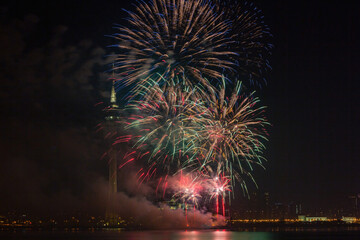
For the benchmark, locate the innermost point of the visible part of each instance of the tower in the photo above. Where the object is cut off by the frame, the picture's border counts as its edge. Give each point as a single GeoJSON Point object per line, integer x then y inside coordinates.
{"type": "Point", "coordinates": [110, 118]}
{"type": "Point", "coordinates": [110, 126]}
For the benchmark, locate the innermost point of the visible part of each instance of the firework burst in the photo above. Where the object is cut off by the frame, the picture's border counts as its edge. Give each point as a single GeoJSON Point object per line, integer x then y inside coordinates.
{"type": "Point", "coordinates": [187, 188]}
{"type": "Point", "coordinates": [216, 183]}
{"type": "Point", "coordinates": [164, 124]}
{"type": "Point", "coordinates": [217, 186]}
{"type": "Point", "coordinates": [233, 134]}
{"type": "Point", "coordinates": [170, 38]}
{"type": "Point", "coordinates": [251, 40]}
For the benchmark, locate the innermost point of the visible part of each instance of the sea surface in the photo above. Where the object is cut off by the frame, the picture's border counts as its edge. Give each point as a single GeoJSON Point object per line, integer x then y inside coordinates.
{"type": "Point", "coordinates": [178, 235]}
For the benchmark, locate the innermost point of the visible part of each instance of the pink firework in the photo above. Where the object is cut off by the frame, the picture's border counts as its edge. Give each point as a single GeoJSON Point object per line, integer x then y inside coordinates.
{"type": "Point", "coordinates": [187, 188]}
{"type": "Point", "coordinates": [217, 185]}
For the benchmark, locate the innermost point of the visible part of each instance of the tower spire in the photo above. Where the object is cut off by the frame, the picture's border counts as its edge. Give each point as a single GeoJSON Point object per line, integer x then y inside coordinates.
{"type": "Point", "coordinates": [113, 92]}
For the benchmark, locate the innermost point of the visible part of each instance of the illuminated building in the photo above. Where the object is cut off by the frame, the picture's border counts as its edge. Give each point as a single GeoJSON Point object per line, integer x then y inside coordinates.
{"type": "Point", "coordinates": [303, 218]}
{"type": "Point", "coordinates": [349, 219]}
{"type": "Point", "coordinates": [173, 204]}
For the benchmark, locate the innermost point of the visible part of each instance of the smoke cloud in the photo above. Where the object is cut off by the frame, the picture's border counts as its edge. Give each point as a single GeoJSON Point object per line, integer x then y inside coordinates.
{"type": "Point", "coordinates": [144, 213]}
{"type": "Point", "coordinates": [150, 216]}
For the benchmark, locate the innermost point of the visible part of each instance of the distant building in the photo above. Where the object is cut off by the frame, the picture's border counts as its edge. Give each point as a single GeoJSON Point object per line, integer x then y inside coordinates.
{"type": "Point", "coordinates": [349, 219]}
{"type": "Point", "coordinates": [291, 210]}
{"type": "Point", "coordinates": [279, 211]}
{"type": "Point", "coordinates": [267, 205]}
{"type": "Point", "coordinates": [304, 218]}
{"type": "Point", "coordinates": [173, 204]}
{"type": "Point", "coordinates": [354, 205]}
{"type": "Point", "coordinates": [298, 209]}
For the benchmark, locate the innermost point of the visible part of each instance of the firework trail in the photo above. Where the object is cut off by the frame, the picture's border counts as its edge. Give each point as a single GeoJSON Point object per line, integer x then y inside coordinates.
{"type": "Point", "coordinates": [251, 40]}
{"type": "Point", "coordinates": [166, 39]}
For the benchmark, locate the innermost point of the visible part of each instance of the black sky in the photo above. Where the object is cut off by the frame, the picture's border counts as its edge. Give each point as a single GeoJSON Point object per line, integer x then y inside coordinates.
{"type": "Point", "coordinates": [48, 144]}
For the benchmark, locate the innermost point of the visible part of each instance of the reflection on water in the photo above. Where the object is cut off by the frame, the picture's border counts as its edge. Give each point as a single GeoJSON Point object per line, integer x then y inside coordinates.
{"type": "Point", "coordinates": [177, 235]}
{"type": "Point", "coordinates": [223, 235]}
{"type": "Point", "coordinates": [197, 235]}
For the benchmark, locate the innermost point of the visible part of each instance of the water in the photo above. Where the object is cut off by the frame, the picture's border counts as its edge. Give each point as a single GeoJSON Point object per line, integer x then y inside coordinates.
{"type": "Point", "coordinates": [179, 235]}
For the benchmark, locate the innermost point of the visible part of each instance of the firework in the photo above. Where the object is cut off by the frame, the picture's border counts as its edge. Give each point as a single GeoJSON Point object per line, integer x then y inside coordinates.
{"type": "Point", "coordinates": [166, 39]}
{"type": "Point", "coordinates": [233, 134]}
{"type": "Point", "coordinates": [187, 188]}
{"type": "Point", "coordinates": [164, 124]}
{"type": "Point", "coordinates": [170, 55]}
{"type": "Point", "coordinates": [217, 185]}
{"type": "Point", "coordinates": [251, 40]}
{"type": "Point", "coordinates": [193, 129]}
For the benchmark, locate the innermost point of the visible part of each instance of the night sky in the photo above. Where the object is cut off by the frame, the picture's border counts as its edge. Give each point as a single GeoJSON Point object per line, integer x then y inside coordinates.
{"type": "Point", "coordinates": [53, 60]}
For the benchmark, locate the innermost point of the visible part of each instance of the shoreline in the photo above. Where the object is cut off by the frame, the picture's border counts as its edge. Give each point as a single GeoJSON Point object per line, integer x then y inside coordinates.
{"type": "Point", "coordinates": [242, 227]}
